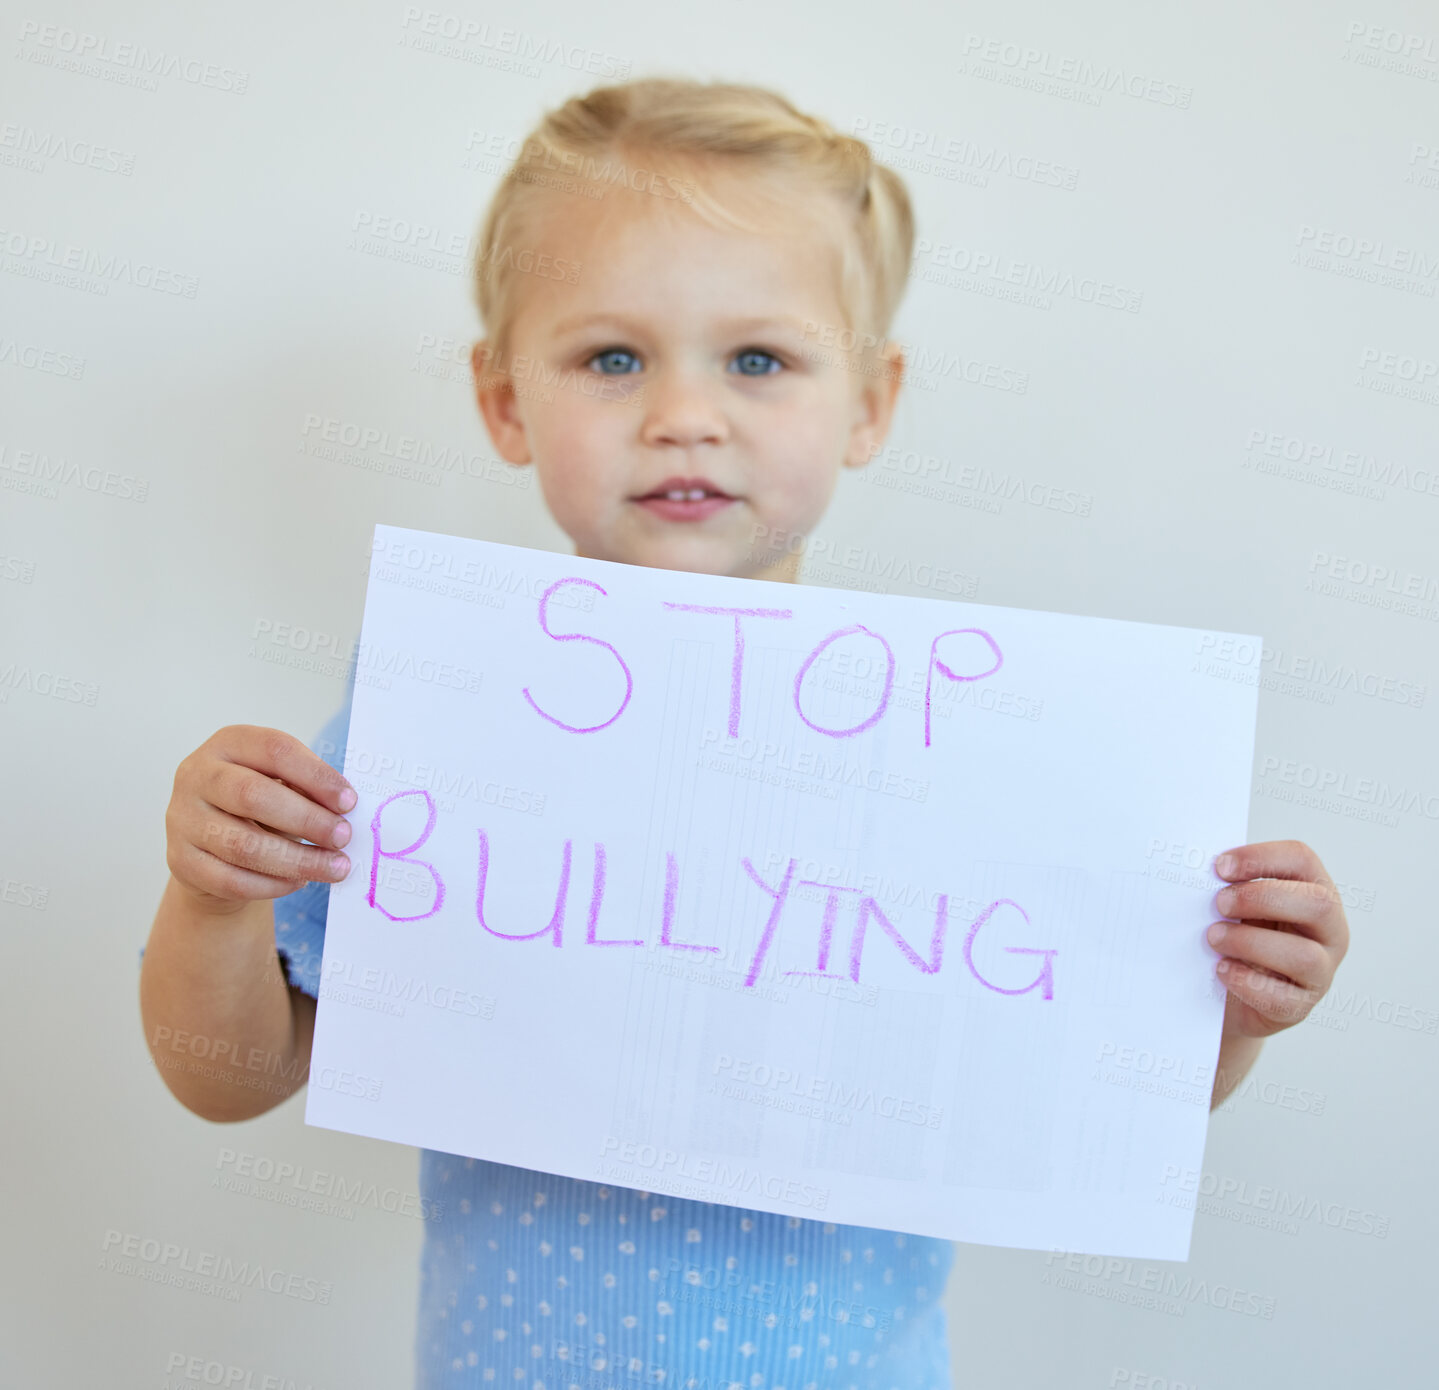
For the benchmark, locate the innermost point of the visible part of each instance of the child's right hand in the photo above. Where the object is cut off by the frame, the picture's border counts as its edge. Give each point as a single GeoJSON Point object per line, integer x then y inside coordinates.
{"type": "Point", "coordinates": [241, 804]}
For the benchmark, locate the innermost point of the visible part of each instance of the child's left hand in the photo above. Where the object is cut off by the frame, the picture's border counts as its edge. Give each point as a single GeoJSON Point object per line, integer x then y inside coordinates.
{"type": "Point", "coordinates": [1281, 955]}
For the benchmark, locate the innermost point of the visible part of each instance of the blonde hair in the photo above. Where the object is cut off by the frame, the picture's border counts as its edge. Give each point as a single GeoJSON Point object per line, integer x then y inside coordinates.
{"type": "Point", "coordinates": [695, 126]}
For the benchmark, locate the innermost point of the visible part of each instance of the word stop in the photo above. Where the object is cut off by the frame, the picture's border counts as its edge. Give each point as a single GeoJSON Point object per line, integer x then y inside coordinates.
{"type": "Point", "coordinates": [936, 665]}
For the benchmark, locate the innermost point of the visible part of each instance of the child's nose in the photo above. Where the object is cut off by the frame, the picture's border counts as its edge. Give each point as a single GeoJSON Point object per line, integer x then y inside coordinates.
{"type": "Point", "coordinates": [682, 409]}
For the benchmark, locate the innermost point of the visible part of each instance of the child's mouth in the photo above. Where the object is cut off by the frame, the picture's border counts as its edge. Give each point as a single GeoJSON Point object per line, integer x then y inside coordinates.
{"type": "Point", "coordinates": [685, 499]}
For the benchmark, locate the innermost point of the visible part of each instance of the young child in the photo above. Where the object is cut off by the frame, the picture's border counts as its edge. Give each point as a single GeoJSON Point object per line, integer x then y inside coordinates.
{"type": "Point", "coordinates": [649, 357]}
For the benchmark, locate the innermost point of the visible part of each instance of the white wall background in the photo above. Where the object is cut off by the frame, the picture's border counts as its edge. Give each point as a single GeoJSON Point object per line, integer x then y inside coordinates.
{"type": "Point", "coordinates": [1307, 125]}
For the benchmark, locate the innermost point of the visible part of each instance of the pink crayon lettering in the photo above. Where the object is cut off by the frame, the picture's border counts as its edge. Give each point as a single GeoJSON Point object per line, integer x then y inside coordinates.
{"type": "Point", "coordinates": [869, 908]}
{"type": "Point", "coordinates": [403, 856]}
{"type": "Point", "coordinates": [826, 929]}
{"type": "Point", "coordinates": [884, 696]}
{"type": "Point", "coordinates": [779, 895]}
{"type": "Point", "coordinates": [672, 888]}
{"type": "Point", "coordinates": [579, 637]}
{"type": "Point", "coordinates": [556, 919]}
{"type": "Point", "coordinates": [935, 662]}
{"type": "Point", "coordinates": [737, 661]}
{"type": "Point", "coordinates": [596, 898]}
{"type": "Point", "coordinates": [1044, 980]}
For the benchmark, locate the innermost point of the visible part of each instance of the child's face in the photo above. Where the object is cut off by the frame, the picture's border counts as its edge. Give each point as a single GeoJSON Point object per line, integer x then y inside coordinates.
{"type": "Point", "coordinates": [735, 399]}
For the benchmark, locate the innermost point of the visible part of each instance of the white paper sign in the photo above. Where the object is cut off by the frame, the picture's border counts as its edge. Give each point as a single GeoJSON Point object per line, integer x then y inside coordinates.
{"type": "Point", "coordinates": [864, 908]}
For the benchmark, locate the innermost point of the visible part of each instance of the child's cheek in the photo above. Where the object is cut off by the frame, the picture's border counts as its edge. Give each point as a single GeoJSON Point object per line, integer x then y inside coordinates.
{"type": "Point", "coordinates": [583, 481]}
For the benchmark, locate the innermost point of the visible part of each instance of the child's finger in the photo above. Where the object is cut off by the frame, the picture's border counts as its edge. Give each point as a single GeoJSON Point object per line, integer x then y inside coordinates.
{"type": "Point", "coordinates": [1297, 958]}
{"type": "Point", "coordinates": [298, 839]}
{"type": "Point", "coordinates": [215, 876]}
{"type": "Point", "coordinates": [1314, 909]}
{"type": "Point", "coordinates": [1278, 1001]}
{"type": "Point", "coordinates": [248, 845]}
{"type": "Point", "coordinates": [1272, 859]}
{"type": "Point", "coordinates": [281, 755]}
{"type": "Point", "coordinates": [253, 795]}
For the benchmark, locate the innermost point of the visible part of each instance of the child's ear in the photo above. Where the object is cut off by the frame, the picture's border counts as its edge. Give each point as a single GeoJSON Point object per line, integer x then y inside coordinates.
{"type": "Point", "coordinates": [496, 398]}
{"type": "Point", "coordinates": [875, 408]}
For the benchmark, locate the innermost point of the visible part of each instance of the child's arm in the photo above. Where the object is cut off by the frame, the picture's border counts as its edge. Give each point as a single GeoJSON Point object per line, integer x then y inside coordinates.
{"type": "Point", "coordinates": [230, 1037]}
{"type": "Point", "coordinates": [1280, 951]}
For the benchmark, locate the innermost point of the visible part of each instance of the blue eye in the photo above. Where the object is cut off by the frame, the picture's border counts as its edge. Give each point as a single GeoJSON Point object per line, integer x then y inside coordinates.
{"type": "Point", "coordinates": [757, 362]}
{"type": "Point", "coordinates": [616, 358]}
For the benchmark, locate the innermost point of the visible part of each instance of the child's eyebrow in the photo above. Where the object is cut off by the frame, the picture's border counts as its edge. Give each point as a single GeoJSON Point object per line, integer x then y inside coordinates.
{"type": "Point", "coordinates": [735, 325]}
